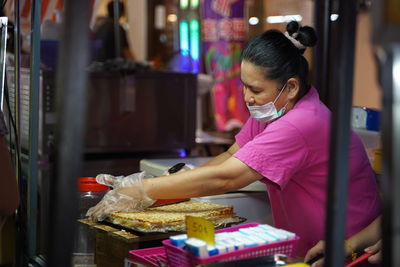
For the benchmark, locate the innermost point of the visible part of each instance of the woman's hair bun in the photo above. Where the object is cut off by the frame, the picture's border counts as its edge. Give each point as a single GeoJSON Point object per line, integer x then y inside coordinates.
{"type": "Point", "coordinates": [305, 35]}
{"type": "Point", "coordinates": [292, 27]}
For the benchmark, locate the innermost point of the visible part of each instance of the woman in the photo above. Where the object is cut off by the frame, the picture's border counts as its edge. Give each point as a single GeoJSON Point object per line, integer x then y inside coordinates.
{"type": "Point", "coordinates": [8, 190]}
{"type": "Point", "coordinates": [285, 144]}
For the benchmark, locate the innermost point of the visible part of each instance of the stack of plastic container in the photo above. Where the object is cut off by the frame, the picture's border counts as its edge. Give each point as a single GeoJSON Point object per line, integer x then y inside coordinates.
{"type": "Point", "coordinates": [234, 243]}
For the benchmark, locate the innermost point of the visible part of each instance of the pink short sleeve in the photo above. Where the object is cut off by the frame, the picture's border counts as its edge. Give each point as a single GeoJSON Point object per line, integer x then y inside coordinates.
{"type": "Point", "coordinates": [247, 132]}
{"type": "Point", "coordinates": [276, 153]}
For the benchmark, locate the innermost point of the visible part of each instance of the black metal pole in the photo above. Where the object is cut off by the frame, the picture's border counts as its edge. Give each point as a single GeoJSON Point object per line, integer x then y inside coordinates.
{"type": "Point", "coordinates": [34, 128]}
{"type": "Point", "coordinates": [117, 33]}
{"type": "Point", "coordinates": [20, 244]}
{"type": "Point", "coordinates": [386, 38]}
{"type": "Point", "coordinates": [342, 89]}
{"type": "Point", "coordinates": [386, 71]}
{"type": "Point", "coordinates": [3, 40]}
{"type": "Point", "coordinates": [17, 72]}
{"type": "Point", "coordinates": [322, 12]}
{"type": "Point", "coordinates": [390, 182]}
{"type": "Point", "coordinates": [71, 110]}
{"type": "Point", "coordinates": [396, 155]}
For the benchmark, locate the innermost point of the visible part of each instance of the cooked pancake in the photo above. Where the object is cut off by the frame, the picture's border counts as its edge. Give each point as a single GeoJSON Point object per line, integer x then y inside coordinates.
{"type": "Point", "coordinates": [172, 217]}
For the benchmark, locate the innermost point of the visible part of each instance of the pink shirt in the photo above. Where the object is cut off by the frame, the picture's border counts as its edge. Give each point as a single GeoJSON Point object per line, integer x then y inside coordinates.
{"type": "Point", "coordinates": [292, 153]}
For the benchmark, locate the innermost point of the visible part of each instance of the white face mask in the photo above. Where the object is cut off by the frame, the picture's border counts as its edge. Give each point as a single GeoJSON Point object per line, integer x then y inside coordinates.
{"type": "Point", "coordinates": [267, 112]}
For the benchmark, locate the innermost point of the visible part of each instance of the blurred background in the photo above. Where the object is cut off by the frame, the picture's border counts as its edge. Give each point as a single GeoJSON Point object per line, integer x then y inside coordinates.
{"type": "Point", "coordinates": [163, 81]}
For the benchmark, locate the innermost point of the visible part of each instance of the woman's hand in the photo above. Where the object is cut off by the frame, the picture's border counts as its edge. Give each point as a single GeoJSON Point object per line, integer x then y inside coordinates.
{"type": "Point", "coordinates": [108, 179]}
{"type": "Point", "coordinates": [319, 249]}
{"type": "Point", "coordinates": [314, 252]}
{"type": "Point", "coordinates": [128, 195]}
{"type": "Point", "coordinates": [377, 251]}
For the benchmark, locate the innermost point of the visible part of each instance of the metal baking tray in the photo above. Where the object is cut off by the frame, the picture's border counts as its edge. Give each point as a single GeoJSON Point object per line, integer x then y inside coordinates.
{"type": "Point", "coordinates": [234, 221]}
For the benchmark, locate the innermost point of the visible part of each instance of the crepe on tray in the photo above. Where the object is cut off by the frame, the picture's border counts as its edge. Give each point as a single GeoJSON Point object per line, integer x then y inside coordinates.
{"type": "Point", "coordinates": [172, 217]}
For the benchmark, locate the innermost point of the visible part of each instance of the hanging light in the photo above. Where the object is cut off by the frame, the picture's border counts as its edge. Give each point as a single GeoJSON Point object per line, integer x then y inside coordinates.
{"type": "Point", "coordinates": [184, 4]}
{"type": "Point", "coordinates": [184, 37]}
{"type": "Point", "coordinates": [194, 4]}
{"type": "Point", "coordinates": [284, 19]}
{"type": "Point", "coordinates": [253, 21]}
{"type": "Point", "coordinates": [172, 17]}
{"type": "Point", "coordinates": [194, 39]}
{"type": "Point", "coordinates": [334, 17]}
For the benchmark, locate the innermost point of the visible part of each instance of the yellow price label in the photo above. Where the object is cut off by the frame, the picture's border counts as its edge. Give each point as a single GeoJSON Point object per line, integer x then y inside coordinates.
{"type": "Point", "coordinates": [200, 228]}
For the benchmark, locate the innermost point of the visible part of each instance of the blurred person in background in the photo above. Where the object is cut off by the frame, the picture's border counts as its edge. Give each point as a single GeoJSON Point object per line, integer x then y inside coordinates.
{"type": "Point", "coordinates": [105, 32]}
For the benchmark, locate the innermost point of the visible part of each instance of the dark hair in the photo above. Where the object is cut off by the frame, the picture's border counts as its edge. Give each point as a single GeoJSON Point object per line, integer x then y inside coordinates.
{"type": "Point", "coordinates": [279, 57]}
{"type": "Point", "coordinates": [110, 8]}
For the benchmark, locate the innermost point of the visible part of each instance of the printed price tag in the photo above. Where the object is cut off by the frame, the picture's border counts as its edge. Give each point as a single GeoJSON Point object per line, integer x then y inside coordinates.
{"type": "Point", "coordinates": [200, 228]}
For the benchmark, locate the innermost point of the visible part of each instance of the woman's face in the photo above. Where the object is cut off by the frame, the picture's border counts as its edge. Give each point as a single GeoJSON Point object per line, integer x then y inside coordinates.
{"type": "Point", "coordinates": [257, 89]}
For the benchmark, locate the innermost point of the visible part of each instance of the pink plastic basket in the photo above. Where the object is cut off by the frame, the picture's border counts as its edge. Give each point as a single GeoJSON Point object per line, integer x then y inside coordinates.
{"type": "Point", "coordinates": [149, 256]}
{"type": "Point", "coordinates": [180, 257]}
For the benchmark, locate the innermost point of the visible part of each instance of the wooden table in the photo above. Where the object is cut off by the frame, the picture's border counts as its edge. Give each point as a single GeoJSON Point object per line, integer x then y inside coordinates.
{"type": "Point", "coordinates": [113, 243]}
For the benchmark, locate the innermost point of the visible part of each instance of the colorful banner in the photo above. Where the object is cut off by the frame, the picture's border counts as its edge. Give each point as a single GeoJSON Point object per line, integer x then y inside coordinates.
{"type": "Point", "coordinates": [223, 36]}
{"type": "Point", "coordinates": [49, 9]}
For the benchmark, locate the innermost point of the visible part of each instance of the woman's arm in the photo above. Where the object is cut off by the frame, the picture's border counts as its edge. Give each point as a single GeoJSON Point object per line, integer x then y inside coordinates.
{"type": "Point", "coordinates": [368, 236]}
{"type": "Point", "coordinates": [9, 199]}
{"type": "Point", "coordinates": [223, 156]}
{"type": "Point", "coordinates": [132, 192]}
{"type": "Point", "coordinates": [207, 180]}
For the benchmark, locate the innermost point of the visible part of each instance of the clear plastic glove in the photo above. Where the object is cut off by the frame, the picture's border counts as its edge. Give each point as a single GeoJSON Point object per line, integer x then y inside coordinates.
{"type": "Point", "coordinates": [128, 195]}
{"type": "Point", "coordinates": [108, 179]}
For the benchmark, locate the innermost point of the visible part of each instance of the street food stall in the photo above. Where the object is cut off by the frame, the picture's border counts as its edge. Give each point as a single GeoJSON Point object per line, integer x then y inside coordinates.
{"type": "Point", "coordinates": [65, 123]}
